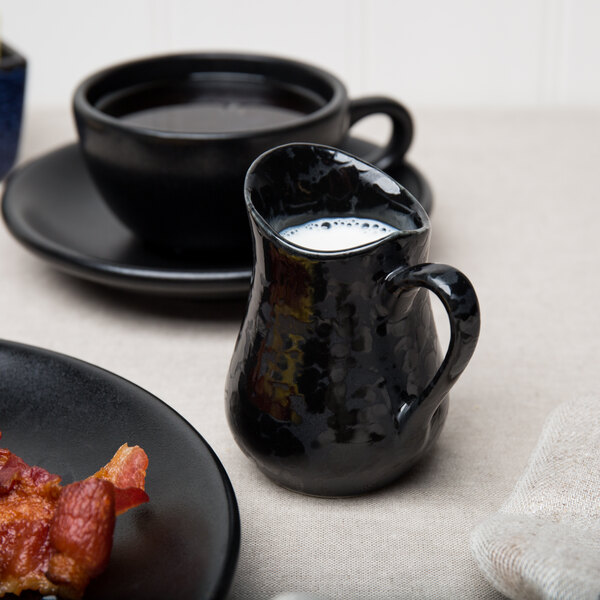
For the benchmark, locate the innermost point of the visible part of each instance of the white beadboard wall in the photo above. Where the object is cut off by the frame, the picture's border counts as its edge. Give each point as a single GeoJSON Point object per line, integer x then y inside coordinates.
{"type": "Point", "coordinates": [428, 53]}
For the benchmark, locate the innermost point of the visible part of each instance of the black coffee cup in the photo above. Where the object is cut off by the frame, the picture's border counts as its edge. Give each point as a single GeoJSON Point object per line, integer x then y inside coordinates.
{"type": "Point", "coordinates": [168, 140]}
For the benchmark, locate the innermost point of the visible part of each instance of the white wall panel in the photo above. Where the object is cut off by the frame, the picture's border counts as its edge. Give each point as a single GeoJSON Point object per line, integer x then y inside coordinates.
{"type": "Point", "coordinates": [579, 81]}
{"type": "Point", "coordinates": [428, 52]}
{"type": "Point", "coordinates": [314, 31]}
{"type": "Point", "coordinates": [65, 40]}
{"type": "Point", "coordinates": [464, 52]}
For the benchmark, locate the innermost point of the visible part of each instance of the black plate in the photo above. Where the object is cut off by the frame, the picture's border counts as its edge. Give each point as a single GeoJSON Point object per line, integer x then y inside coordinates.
{"type": "Point", "coordinates": [52, 207]}
{"type": "Point", "coordinates": [70, 417]}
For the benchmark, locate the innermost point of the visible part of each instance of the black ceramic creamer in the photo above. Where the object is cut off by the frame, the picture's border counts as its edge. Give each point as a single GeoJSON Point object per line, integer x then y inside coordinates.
{"type": "Point", "coordinates": [337, 385]}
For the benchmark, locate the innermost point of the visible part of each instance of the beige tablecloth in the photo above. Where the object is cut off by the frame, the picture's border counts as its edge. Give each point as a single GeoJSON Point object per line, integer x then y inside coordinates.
{"type": "Point", "coordinates": [516, 209]}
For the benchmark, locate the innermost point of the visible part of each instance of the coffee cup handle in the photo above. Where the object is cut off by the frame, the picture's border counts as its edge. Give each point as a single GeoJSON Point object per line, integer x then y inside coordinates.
{"type": "Point", "coordinates": [402, 127]}
{"type": "Point", "coordinates": [460, 301]}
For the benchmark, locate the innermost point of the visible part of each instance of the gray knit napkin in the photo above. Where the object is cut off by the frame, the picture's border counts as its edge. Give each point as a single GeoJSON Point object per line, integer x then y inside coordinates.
{"type": "Point", "coordinates": [544, 543]}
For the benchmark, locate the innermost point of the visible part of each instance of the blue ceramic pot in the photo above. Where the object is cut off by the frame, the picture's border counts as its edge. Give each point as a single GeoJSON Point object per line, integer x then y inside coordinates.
{"type": "Point", "coordinates": [12, 89]}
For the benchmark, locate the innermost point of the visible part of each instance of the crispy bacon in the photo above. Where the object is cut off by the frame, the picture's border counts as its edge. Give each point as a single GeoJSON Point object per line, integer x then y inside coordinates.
{"type": "Point", "coordinates": [54, 539]}
{"type": "Point", "coordinates": [81, 532]}
{"type": "Point", "coordinates": [127, 472]}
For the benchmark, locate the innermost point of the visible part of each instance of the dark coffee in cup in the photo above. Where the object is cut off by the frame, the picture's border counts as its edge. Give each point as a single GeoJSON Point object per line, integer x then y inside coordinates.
{"type": "Point", "coordinates": [168, 140]}
{"type": "Point", "coordinates": [211, 105]}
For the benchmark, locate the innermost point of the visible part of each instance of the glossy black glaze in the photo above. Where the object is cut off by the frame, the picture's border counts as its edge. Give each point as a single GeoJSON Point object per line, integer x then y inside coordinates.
{"type": "Point", "coordinates": [69, 417]}
{"type": "Point", "coordinates": [335, 386]}
{"type": "Point", "coordinates": [53, 208]}
{"type": "Point", "coordinates": [12, 90]}
{"type": "Point", "coordinates": [171, 188]}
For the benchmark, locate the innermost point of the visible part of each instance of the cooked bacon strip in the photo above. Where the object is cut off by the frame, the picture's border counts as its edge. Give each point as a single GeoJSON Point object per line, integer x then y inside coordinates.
{"type": "Point", "coordinates": [81, 534]}
{"type": "Point", "coordinates": [28, 497]}
{"type": "Point", "coordinates": [53, 539]}
{"type": "Point", "coordinates": [13, 469]}
{"type": "Point", "coordinates": [127, 471]}
{"type": "Point", "coordinates": [127, 468]}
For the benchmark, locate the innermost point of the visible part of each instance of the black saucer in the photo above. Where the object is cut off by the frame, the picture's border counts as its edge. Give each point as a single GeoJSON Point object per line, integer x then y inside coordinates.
{"type": "Point", "coordinates": [52, 207]}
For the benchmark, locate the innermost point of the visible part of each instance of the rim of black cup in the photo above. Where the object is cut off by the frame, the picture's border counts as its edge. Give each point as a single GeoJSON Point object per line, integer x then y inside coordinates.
{"type": "Point", "coordinates": [85, 107]}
